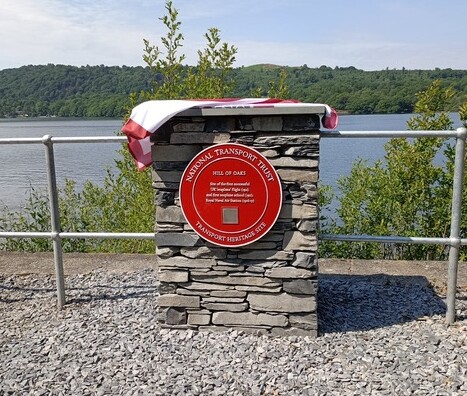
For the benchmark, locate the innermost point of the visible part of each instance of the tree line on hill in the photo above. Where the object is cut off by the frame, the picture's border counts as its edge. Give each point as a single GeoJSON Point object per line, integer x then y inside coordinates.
{"type": "Point", "coordinates": [103, 91]}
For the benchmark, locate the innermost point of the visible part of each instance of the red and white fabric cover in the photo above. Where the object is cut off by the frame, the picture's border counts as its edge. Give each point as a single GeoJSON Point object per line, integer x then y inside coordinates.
{"type": "Point", "coordinates": [147, 117]}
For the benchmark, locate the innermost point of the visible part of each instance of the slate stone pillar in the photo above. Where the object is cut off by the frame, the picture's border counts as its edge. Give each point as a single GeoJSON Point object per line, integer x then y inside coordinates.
{"type": "Point", "coordinates": [269, 286]}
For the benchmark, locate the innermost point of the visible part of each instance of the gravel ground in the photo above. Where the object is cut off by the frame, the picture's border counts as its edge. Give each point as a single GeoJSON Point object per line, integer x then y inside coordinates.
{"type": "Point", "coordinates": [379, 336]}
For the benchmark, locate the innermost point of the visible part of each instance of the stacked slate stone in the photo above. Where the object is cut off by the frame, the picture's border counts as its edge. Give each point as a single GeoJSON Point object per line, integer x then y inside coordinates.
{"type": "Point", "coordinates": [269, 286]}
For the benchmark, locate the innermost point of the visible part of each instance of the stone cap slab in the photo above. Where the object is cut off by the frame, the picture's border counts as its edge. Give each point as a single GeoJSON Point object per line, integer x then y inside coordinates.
{"type": "Point", "coordinates": [294, 108]}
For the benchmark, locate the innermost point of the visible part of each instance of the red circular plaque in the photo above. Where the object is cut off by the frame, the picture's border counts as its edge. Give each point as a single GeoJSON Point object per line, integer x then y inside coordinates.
{"type": "Point", "coordinates": [230, 194]}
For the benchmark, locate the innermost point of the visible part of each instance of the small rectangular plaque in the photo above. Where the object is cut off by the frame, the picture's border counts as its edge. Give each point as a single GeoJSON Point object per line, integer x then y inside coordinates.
{"type": "Point", "coordinates": [230, 215]}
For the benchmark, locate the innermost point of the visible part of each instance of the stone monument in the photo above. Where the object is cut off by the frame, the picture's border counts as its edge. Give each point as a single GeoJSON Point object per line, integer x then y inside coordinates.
{"type": "Point", "coordinates": [236, 219]}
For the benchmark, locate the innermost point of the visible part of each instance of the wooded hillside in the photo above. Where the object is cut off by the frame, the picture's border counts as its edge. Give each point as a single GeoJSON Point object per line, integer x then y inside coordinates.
{"type": "Point", "coordinates": [102, 91]}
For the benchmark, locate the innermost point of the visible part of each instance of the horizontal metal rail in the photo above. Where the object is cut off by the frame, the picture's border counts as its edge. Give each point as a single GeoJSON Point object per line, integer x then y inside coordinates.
{"type": "Point", "coordinates": [454, 241]}
{"type": "Point", "coordinates": [149, 236]}
{"type": "Point", "coordinates": [64, 139]}
{"type": "Point", "coordinates": [391, 239]}
{"type": "Point", "coordinates": [323, 134]}
{"type": "Point", "coordinates": [78, 235]}
{"type": "Point", "coordinates": [392, 134]}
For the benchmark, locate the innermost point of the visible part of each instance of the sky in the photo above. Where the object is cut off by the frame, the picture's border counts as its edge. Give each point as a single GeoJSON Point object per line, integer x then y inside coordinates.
{"type": "Point", "coordinates": [366, 34]}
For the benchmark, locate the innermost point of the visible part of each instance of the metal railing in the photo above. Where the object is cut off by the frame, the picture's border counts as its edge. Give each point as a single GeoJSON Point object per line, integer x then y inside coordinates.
{"type": "Point", "coordinates": [56, 235]}
{"type": "Point", "coordinates": [454, 241]}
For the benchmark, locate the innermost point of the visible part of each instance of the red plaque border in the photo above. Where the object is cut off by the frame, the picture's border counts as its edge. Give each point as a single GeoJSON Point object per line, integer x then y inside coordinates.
{"type": "Point", "coordinates": [230, 165]}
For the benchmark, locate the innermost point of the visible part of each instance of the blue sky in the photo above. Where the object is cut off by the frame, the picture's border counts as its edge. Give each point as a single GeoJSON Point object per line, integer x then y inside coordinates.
{"type": "Point", "coordinates": [367, 34]}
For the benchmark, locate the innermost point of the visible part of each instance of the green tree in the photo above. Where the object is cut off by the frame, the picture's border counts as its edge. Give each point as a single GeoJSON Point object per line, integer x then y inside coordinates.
{"type": "Point", "coordinates": [407, 194]}
{"type": "Point", "coordinates": [34, 217]}
{"type": "Point", "coordinates": [167, 71]}
{"type": "Point", "coordinates": [279, 88]}
{"type": "Point", "coordinates": [211, 78]}
{"type": "Point", "coordinates": [42, 90]}
{"type": "Point", "coordinates": [125, 202]}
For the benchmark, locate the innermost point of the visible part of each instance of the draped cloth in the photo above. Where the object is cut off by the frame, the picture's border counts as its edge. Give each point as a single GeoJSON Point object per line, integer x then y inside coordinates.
{"type": "Point", "coordinates": [149, 116]}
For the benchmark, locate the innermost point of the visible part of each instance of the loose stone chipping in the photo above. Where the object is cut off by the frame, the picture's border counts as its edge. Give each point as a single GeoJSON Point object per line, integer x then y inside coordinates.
{"type": "Point", "coordinates": [261, 279]}
{"type": "Point", "coordinates": [376, 338]}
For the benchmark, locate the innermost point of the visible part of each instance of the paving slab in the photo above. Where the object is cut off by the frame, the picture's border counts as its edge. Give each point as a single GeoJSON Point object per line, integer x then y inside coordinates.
{"type": "Point", "coordinates": [435, 272]}
{"type": "Point", "coordinates": [73, 263]}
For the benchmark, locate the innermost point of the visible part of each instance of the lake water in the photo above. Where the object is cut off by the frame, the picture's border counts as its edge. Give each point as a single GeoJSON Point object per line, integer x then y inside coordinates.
{"type": "Point", "coordinates": [23, 166]}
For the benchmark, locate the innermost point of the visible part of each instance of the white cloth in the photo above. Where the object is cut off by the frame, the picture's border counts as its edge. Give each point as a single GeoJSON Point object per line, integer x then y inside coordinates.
{"type": "Point", "coordinates": [147, 117]}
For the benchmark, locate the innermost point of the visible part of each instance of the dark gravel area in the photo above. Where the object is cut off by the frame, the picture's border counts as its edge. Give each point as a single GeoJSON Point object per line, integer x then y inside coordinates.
{"type": "Point", "coordinates": [379, 335]}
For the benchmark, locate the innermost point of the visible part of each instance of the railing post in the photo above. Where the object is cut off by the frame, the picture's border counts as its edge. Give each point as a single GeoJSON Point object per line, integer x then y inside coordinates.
{"type": "Point", "coordinates": [456, 208]}
{"type": "Point", "coordinates": [55, 219]}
